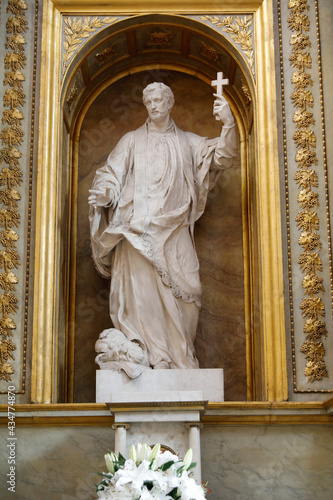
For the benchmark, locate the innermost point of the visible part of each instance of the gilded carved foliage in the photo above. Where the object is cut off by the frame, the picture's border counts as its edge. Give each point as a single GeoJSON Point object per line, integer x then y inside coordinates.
{"type": "Point", "coordinates": [11, 138]}
{"type": "Point", "coordinates": [307, 220]}
{"type": "Point", "coordinates": [76, 30]}
{"type": "Point", "coordinates": [239, 29]}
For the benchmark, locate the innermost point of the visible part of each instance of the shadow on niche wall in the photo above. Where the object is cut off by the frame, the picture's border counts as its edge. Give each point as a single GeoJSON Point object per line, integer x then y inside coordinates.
{"type": "Point", "coordinates": [220, 341]}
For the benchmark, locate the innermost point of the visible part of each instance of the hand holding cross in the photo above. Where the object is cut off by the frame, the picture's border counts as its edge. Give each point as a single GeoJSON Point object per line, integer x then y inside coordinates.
{"type": "Point", "coordinates": [219, 82]}
{"type": "Point", "coordinates": [222, 110]}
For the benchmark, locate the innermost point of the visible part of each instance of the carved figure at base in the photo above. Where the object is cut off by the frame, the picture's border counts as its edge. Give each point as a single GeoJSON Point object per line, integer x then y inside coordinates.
{"type": "Point", "coordinates": [116, 352]}
{"type": "Point", "coordinates": [143, 206]}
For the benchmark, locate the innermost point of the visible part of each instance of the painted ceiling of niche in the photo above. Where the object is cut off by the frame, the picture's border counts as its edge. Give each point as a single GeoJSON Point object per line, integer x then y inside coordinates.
{"type": "Point", "coordinates": [149, 45]}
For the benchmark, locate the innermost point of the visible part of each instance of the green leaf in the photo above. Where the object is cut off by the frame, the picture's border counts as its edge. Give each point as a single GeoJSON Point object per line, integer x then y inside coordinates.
{"type": "Point", "coordinates": [167, 465]}
{"type": "Point", "coordinates": [193, 464]}
{"type": "Point", "coordinates": [149, 485]}
{"type": "Point", "coordinates": [121, 459]}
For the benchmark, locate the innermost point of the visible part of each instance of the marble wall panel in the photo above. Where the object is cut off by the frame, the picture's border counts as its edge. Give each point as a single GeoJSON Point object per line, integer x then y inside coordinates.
{"type": "Point", "coordinates": [239, 462]}
{"type": "Point", "coordinates": [221, 338]}
{"type": "Point", "coordinates": [257, 463]}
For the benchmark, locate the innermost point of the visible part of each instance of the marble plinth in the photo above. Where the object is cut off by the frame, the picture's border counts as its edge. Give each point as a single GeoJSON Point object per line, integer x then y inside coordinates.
{"type": "Point", "coordinates": [208, 381]}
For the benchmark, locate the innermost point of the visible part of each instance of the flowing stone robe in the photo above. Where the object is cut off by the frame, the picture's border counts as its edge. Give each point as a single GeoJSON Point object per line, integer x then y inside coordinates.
{"type": "Point", "coordinates": [143, 240]}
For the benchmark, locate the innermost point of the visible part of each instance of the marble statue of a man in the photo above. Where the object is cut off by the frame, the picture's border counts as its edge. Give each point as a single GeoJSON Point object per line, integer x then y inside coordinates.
{"type": "Point", "coordinates": [143, 205]}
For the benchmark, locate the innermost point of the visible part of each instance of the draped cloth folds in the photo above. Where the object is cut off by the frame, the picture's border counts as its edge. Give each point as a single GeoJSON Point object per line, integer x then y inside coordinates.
{"type": "Point", "coordinates": [159, 181]}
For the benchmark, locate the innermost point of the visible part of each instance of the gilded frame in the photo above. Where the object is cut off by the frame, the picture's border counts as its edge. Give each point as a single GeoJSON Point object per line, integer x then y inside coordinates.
{"type": "Point", "coordinates": [270, 269]}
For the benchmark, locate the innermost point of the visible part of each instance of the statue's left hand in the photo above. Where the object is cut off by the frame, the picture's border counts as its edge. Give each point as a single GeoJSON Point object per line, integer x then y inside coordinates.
{"type": "Point", "coordinates": [100, 197]}
{"type": "Point", "coordinates": [222, 111]}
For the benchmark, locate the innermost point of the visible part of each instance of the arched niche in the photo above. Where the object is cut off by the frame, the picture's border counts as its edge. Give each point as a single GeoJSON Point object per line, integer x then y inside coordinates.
{"type": "Point", "coordinates": [53, 315]}
{"type": "Point", "coordinates": [101, 100]}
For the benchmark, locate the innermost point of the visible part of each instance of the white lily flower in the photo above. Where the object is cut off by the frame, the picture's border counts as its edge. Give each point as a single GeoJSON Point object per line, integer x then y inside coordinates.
{"type": "Point", "coordinates": [142, 476]}
{"type": "Point", "coordinates": [190, 490]}
{"type": "Point", "coordinates": [136, 475]}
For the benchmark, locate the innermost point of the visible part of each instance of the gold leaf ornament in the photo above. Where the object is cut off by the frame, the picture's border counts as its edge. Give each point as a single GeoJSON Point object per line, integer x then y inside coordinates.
{"type": "Point", "coordinates": [8, 238]}
{"type": "Point", "coordinates": [15, 42]}
{"type": "Point", "coordinates": [309, 241]}
{"type": "Point", "coordinates": [7, 325]}
{"type": "Point", "coordinates": [16, 6]}
{"type": "Point", "coordinates": [299, 22]}
{"type": "Point", "coordinates": [298, 6]}
{"type": "Point", "coordinates": [312, 307]}
{"type": "Point", "coordinates": [303, 119]}
{"type": "Point", "coordinates": [11, 137]}
{"type": "Point", "coordinates": [12, 116]}
{"type": "Point", "coordinates": [312, 284]}
{"type": "Point", "coordinates": [305, 138]}
{"type": "Point", "coordinates": [306, 178]}
{"type": "Point", "coordinates": [8, 281]}
{"type": "Point", "coordinates": [300, 41]}
{"type": "Point", "coordinates": [315, 371]}
{"type": "Point", "coordinates": [306, 158]}
{"type": "Point", "coordinates": [301, 80]}
{"type": "Point", "coordinates": [6, 350]}
{"type": "Point", "coordinates": [300, 60]}
{"type": "Point", "coordinates": [17, 24]}
{"type": "Point", "coordinates": [310, 262]}
{"type": "Point", "coordinates": [6, 370]}
{"type": "Point", "coordinates": [307, 221]}
{"type": "Point", "coordinates": [240, 32]}
{"type": "Point", "coordinates": [76, 31]}
{"type": "Point", "coordinates": [307, 199]}
{"type": "Point", "coordinates": [314, 329]}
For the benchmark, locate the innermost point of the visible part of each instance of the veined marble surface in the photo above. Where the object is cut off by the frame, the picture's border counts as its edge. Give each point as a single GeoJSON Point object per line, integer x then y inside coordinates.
{"type": "Point", "coordinates": [268, 463]}
{"type": "Point", "coordinates": [239, 462]}
{"type": "Point", "coordinates": [56, 463]}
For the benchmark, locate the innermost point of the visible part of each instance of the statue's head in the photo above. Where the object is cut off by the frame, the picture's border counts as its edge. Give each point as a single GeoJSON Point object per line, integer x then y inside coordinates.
{"type": "Point", "coordinates": [158, 86]}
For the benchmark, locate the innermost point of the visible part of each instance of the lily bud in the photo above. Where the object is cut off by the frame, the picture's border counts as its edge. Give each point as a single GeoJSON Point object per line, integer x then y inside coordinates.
{"type": "Point", "coordinates": [188, 459]}
{"type": "Point", "coordinates": [132, 453]}
{"type": "Point", "coordinates": [110, 458]}
{"type": "Point", "coordinates": [145, 452]}
{"type": "Point", "coordinates": [139, 452]}
{"type": "Point", "coordinates": [155, 452]}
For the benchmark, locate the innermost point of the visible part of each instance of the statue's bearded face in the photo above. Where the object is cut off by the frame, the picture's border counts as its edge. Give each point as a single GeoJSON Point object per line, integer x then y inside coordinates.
{"type": "Point", "coordinates": [158, 106]}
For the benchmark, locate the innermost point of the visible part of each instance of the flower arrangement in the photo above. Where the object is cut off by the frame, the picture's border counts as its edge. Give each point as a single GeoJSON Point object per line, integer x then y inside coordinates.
{"type": "Point", "coordinates": [148, 474]}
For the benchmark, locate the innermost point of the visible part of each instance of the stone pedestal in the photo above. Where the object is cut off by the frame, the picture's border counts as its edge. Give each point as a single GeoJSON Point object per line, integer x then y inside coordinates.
{"type": "Point", "coordinates": [162, 406]}
{"type": "Point", "coordinates": [209, 381]}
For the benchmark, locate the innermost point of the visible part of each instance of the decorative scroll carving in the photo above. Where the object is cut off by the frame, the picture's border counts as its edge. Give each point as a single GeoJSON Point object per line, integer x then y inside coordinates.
{"type": "Point", "coordinates": [72, 95]}
{"type": "Point", "coordinates": [76, 30]}
{"type": "Point", "coordinates": [209, 52]}
{"type": "Point", "coordinates": [240, 32]}
{"type": "Point", "coordinates": [106, 54]}
{"type": "Point", "coordinates": [11, 137]}
{"type": "Point", "coordinates": [246, 93]}
{"type": "Point", "coordinates": [312, 306]}
{"type": "Point", "coordinates": [159, 38]}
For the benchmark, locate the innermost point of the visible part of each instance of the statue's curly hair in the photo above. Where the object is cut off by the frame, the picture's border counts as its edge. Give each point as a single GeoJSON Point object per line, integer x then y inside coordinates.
{"type": "Point", "coordinates": [158, 86]}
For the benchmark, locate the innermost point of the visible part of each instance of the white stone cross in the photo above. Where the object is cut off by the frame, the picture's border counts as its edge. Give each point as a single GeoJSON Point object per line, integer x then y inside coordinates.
{"type": "Point", "coordinates": [219, 83]}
